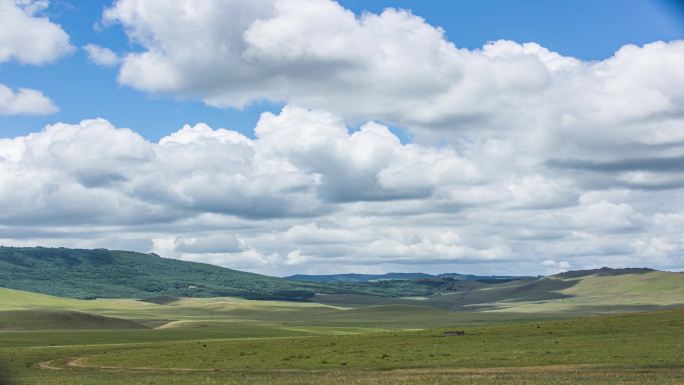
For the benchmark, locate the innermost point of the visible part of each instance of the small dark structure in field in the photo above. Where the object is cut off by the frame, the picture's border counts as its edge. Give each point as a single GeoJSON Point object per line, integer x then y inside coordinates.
{"type": "Point", "coordinates": [453, 333]}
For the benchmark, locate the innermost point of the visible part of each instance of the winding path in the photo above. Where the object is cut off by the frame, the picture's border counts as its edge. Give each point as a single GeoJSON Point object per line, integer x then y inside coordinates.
{"type": "Point", "coordinates": [79, 363]}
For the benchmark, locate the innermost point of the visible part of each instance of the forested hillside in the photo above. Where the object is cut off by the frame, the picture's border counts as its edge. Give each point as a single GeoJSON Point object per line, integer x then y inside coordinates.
{"type": "Point", "coordinates": [102, 273]}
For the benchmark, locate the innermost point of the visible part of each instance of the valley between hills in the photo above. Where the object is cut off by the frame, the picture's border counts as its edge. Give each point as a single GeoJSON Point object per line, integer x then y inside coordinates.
{"type": "Point", "coordinates": [163, 321]}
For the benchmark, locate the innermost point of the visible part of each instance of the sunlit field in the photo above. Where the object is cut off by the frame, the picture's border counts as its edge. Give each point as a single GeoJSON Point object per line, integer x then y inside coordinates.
{"type": "Point", "coordinates": [621, 349]}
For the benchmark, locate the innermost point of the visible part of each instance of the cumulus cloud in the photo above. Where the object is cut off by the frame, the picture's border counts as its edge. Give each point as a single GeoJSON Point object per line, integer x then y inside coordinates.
{"type": "Point", "coordinates": [24, 101]}
{"type": "Point", "coordinates": [28, 37]}
{"type": "Point", "coordinates": [621, 112]}
{"type": "Point", "coordinates": [554, 267]}
{"type": "Point", "coordinates": [309, 194]}
{"type": "Point", "coordinates": [522, 160]}
{"type": "Point", "coordinates": [297, 165]}
{"type": "Point", "coordinates": [101, 56]}
{"type": "Point", "coordinates": [392, 66]}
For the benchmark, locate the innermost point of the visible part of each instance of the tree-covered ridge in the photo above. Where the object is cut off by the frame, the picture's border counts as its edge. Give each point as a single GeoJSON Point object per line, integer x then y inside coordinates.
{"type": "Point", "coordinates": [101, 273]}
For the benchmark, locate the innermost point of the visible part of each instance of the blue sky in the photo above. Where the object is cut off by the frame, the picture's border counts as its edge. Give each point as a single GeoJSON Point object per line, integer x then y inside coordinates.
{"type": "Point", "coordinates": [586, 29]}
{"type": "Point", "coordinates": [530, 137]}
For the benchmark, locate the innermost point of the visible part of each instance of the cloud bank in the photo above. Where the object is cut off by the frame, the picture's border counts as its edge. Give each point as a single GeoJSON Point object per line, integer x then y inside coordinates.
{"type": "Point", "coordinates": [308, 194]}
{"type": "Point", "coordinates": [521, 160]}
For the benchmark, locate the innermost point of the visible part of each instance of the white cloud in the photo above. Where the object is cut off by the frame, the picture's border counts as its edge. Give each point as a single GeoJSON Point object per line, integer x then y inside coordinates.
{"type": "Point", "coordinates": [101, 56]}
{"type": "Point", "coordinates": [24, 101]}
{"type": "Point", "coordinates": [605, 215]}
{"type": "Point", "coordinates": [554, 267]}
{"type": "Point", "coordinates": [522, 160]}
{"type": "Point", "coordinates": [391, 66]}
{"type": "Point", "coordinates": [306, 194]}
{"type": "Point", "coordinates": [28, 37]}
{"type": "Point", "coordinates": [300, 162]}
{"type": "Point", "coordinates": [506, 102]}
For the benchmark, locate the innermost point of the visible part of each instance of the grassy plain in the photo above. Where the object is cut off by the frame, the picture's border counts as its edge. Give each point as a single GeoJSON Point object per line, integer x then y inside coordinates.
{"type": "Point", "coordinates": [543, 333]}
{"type": "Point", "coordinates": [596, 293]}
{"type": "Point", "coordinates": [646, 348]}
{"type": "Point", "coordinates": [23, 320]}
{"type": "Point", "coordinates": [195, 312]}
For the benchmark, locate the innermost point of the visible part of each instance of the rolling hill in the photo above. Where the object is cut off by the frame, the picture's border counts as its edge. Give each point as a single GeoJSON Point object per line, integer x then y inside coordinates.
{"type": "Point", "coordinates": [589, 291]}
{"type": "Point", "coordinates": [101, 273]}
{"type": "Point", "coordinates": [606, 290]}
{"type": "Point", "coordinates": [559, 296]}
{"type": "Point", "coordinates": [61, 320]}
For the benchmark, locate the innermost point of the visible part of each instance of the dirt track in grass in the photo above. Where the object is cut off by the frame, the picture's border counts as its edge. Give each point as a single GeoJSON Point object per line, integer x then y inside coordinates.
{"type": "Point", "coordinates": [75, 363]}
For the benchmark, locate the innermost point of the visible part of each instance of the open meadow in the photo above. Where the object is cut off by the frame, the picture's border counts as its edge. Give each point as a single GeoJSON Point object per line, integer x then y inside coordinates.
{"type": "Point", "coordinates": [604, 326]}
{"type": "Point", "coordinates": [334, 192]}
{"type": "Point", "coordinates": [236, 341]}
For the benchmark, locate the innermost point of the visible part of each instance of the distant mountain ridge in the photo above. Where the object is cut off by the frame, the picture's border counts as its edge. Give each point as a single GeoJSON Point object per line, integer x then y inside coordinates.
{"type": "Point", "coordinates": [101, 273]}
{"type": "Point", "coordinates": [353, 277]}
{"type": "Point", "coordinates": [605, 271]}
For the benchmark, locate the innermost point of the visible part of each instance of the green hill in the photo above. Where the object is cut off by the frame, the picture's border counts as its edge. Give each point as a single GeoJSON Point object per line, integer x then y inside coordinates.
{"type": "Point", "coordinates": [586, 291]}
{"type": "Point", "coordinates": [14, 320]}
{"type": "Point", "coordinates": [602, 290]}
{"type": "Point", "coordinates": [101, 273]}
{"type": "Point", "coordinates": [604, 272]}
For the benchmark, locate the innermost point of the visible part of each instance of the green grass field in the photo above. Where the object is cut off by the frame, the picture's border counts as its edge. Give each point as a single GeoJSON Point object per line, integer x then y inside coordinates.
{"type": "Point", "coordinates": [560, 330]}
{"type": "Point", "coordinates": [609, 293]}
{"type": "Point", "coordinates": [194, 312]}
{"type": "Point", "coordinates": [646, 348]}
{"type": "Point", "coordinates": [572, 295]}
{"type": "Point", "coordinates": [21, 320]}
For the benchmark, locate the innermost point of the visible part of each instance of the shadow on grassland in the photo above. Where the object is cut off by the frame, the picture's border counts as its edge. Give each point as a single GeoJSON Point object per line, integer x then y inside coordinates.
{"type": "Point", "coordinates": [6, 377]}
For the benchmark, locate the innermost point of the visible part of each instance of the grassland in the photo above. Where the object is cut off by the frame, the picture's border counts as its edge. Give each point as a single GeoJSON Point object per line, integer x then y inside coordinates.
{"type": "Point", "coordinates": [533, 332]}
{"type": "Point", "coordinates": [61, 320]}
{"type": "Point", "coordinates": [100, 273]}
{"type": "Point", "coordinates": [599, 293]}
{"type": "Point", "coordinates": [645, 348]}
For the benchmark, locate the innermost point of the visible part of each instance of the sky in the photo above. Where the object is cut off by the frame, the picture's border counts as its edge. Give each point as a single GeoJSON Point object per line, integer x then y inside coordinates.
{"type": "Point", "coordinates": [313, 136]}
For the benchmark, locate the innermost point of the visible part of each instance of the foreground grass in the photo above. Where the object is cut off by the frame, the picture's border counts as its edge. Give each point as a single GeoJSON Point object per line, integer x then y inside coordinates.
{"type": "Point", "coordinates": [547, 376]}
{"type": "Point", "coordinates": [624, 340]}
{"type": "Point", "coordinates": [628, 349]}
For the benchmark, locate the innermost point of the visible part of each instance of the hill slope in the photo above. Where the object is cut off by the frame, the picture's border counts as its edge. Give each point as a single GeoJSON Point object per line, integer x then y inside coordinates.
{"type": "Point", "coordinates": [61, 320]}
{"type": "Point", "coordinates": [588, 291]}
{"type": "Point", "coordinates": [604, 290]}
{"type": "Point", "coordinates": [101, 273]}
{"type": "Point", "coordinates": [87, 274]}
